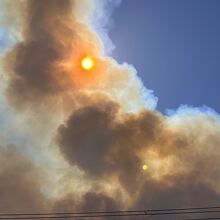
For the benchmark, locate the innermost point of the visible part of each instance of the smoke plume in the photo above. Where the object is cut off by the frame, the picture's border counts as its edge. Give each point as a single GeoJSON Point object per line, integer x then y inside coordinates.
{"type": "Point", "coordinates": [80, 140]}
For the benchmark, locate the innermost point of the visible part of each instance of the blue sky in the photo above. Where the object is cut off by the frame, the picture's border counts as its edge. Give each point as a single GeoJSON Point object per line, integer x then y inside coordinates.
{"type": "Point", "coordinates": [175, 46]}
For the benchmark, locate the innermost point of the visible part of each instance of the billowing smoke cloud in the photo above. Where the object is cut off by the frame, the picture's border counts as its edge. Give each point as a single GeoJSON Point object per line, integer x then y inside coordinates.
{"type": "Point", "coordinates": [112, 146]}
{"type": "Point", "coordinates": [44, 64]}
{"type": "Point", "coordinates": [91, 133]}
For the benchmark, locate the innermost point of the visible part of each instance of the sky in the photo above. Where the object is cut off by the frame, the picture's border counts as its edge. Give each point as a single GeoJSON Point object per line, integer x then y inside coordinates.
{"type": "Point", "coordinates": [175, 47]}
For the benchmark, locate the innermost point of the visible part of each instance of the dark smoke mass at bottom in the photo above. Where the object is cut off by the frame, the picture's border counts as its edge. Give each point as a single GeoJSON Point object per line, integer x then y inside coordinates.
{"type": "Point", "coordinates": [89, 138]}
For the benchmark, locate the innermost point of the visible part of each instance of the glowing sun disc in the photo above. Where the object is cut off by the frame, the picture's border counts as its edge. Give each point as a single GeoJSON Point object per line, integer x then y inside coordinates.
{"type": "Point", "coordinates": [87, 63]}
{"type": "Point", "coordinates": [145, 167]}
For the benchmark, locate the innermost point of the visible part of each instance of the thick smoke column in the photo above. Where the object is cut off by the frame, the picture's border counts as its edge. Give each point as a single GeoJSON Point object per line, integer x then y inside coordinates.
{"type": "Point", "coordinates": [46, 39]}
{"type": "Point", "coordinates": [95, 130]}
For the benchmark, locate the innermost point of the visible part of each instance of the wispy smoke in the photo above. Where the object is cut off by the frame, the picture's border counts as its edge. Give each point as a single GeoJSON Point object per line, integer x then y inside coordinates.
{"type": "Point", "coordinates": [83, 139]}
{"type": "Point", "coordinates": [20, 185]}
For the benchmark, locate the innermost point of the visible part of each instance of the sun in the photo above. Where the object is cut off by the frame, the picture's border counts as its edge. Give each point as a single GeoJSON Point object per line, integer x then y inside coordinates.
{"type": "Point", "coordinates": [145, 167]}
{"type": "Point", "coordinates": [87, 63]}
